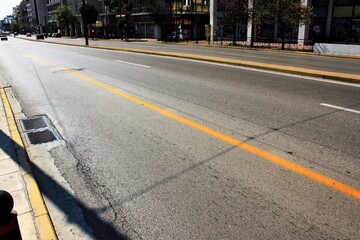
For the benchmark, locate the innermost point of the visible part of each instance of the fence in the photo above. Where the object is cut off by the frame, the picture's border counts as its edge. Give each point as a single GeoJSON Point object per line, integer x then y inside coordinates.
{"type": "Point", "coordinates": [257, 44]}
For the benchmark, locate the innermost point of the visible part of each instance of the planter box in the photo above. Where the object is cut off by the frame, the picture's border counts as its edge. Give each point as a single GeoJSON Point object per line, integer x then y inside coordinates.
{"type": "Point", "coordinates": [342, 49]}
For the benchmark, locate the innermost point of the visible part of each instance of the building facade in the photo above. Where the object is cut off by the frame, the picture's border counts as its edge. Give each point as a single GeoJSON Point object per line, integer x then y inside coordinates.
{"type": "Point", "coordinates": [183, 19]}
{"type": "Point", "coordinates": [336, 21]}
{"type": "Point", "coordinates": [42, 15]}
{"type": "Point", "coordinates": [51, 7]}
{"type": "Point", "coordinates": [5, 24]}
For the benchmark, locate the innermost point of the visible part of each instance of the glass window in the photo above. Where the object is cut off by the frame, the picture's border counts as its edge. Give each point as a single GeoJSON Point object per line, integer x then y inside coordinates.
{"type": "Point", "coordinates": [343, 2]}
{"type": "Point", "coordinates": [319, 11]}
{"type": "Point", "coordinates": [357, 12]}
{"type": "Point", "coordinates": [343, 11]}
{"type": "Point", "coordinates": [355, 32]}
{"type": "Point", "coordinates": [341, 29]}
{"type": "Point", "coordinates": [321, 3]}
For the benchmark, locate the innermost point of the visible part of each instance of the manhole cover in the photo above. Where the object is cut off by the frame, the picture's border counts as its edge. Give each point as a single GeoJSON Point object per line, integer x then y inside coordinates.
{"type": "Point", "coordinates": [41, 137]}
{"type": "Point", "coordinates": [39, 130]}
{"type": "Point", "coordinates": [34, 123]}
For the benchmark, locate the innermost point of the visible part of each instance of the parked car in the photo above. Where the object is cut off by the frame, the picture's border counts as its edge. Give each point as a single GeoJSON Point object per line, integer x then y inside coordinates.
{"type": "Point", "coordinates": [15, 34]}
{"type": "Point", "coordinates": [39, 36]}
{"type": "Point", "coordinates": [28, 34]}
{"type": "Point", "coordinates": [173, 37]}
{"type": "Point", "coordinates": [3, 37]}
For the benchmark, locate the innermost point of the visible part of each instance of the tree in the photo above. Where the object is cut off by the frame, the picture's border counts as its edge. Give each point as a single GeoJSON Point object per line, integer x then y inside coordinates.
{"type": "Point", "coordinates": [160, 12]}
{"type": "Point", "coordinates": [123, 9]}
{"type": "Point", "coordinates": [89, 14]}
{"type": "Point", "coordinates": [120, 6]}
{"type": "Point", "coordinates": [64, 17]}
{"type": "Point", "coordinates": [21, 17]}
{"type": "Point", "coordinates": [288, 14]}
{"type": "Point", "coordinates": [235, 12]}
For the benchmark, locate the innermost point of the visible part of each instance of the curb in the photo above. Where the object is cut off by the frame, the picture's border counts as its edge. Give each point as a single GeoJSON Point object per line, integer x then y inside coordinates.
{"type": "Point", "coordinates": [43, 224]}
{"type": "Point", "coordinates": [344, 77]}
{"type": "Point", "coordinates": [274, 50]}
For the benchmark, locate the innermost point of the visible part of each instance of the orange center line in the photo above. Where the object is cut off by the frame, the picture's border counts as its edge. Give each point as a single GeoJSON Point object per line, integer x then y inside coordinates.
{"type": "Point", "coordinates": [315, 176]}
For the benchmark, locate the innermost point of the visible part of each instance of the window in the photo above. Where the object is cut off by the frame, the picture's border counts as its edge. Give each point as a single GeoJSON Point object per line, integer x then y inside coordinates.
{"type": "Point", "coordinates": [343, 11]}
{"type": "Point", "coordinates": [343, 2]}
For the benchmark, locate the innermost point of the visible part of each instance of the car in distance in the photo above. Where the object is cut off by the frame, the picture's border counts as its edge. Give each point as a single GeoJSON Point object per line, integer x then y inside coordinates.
{"type": "Point", "coordinates": [3, 37]}
{"type": "Point", "coordinates": [39, 36]}
{"type": "Point", "coordinates": [28, 34]}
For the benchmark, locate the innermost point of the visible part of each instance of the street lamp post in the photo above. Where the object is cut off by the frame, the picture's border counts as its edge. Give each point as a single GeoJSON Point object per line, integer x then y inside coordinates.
{"type": "Point", "coordinates": [85, 25]}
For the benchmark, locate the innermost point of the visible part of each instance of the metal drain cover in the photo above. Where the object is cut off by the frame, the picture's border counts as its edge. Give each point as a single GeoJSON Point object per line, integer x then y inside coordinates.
{"type": "Point", "coordinates": [39, 130]}
{"type": "Point", "coordinates": [41, 137]}
{"type": "Point", "coordinates": [34, 123]}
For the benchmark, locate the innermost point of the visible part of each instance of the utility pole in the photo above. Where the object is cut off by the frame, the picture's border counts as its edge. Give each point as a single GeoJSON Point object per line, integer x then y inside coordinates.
{"type": "Point", "coordinates": [252, 24]}
{"type": "Point", "coordinates": [85, 24]}
{"type": "Point", "coordinates": [36, 17]}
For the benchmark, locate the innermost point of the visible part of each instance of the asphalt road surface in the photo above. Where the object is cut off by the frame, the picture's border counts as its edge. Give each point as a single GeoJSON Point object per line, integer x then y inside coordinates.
{"type": "Point", "coordinates": [335, 64]}
{"type": "Point", "coordinates": [162, 148]}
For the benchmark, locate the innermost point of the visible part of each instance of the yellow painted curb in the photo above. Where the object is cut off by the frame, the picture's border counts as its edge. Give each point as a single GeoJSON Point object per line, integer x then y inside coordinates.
{"type": "Point", "coordinates": [344, 77]}
{"type": "Point", "coordinates": [264, 66]}
{"type": "Point", "coordinates": [274, 50]}
{"type": "Point", "coordinates": [43, 223]}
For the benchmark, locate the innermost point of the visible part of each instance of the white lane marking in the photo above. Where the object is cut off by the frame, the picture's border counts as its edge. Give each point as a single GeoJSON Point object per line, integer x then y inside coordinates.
{"type": "Point", "coordinates": [340, 108]}
{"type": "Point", "coordinates": [134, 64]}
{"type": "Point", "coordinates": [248, 68]}
{"type": "Point", "coordinates": [254, 70]}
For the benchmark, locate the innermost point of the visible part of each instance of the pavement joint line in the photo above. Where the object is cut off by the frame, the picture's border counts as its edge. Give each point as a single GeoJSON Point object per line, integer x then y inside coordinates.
{"type": "Point", "coordinates": [345, 77]}
{"type": "Point", "coordinates": [41, 217]}
{"type": "Point", "coordinates": [277, 160]}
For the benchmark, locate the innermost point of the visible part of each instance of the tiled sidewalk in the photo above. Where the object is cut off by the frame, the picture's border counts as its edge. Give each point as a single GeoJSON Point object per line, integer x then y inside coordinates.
{"type": "Point", "coordinates": [12, 178]}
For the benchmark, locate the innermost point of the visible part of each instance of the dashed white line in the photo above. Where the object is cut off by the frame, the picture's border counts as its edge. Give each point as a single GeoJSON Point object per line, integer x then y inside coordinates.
{"type": "Point", "coordinates": [134, 64]}
{"type": "Point", "coordinates": [254, 70]}
{"type": "Point", "coordinates": [340, 108]}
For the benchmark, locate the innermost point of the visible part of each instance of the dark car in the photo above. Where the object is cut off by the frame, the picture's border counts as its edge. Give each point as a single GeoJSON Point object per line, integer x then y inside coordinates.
{"type": "Point", "coordinates": [3, 37]}
{"type": "Point", "coordinates": [173, 37]}
{"type": "Point", "coordinates": [39, 36]}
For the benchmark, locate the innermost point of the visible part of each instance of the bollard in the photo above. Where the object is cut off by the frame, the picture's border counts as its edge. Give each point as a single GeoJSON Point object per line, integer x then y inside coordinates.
{"type": "Point", "coordinates": [9, 227]}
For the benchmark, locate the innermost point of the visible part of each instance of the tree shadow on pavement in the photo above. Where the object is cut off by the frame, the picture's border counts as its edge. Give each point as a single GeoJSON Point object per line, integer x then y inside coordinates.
{"type": "Point", "coordinates": [61, 197]}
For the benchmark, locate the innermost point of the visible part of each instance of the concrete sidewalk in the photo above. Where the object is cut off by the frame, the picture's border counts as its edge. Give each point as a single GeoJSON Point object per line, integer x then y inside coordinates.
{"type": "Point", "coordinates": [17, 179]}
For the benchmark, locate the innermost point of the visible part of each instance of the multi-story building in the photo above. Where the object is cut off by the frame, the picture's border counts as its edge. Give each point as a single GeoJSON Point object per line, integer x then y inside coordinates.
{"type": "Point", "coordinates": [5, 24]}
{"type": "Point", "coordinates": [186, 20]}
{"type": "Point", "coordinates": [36, 15]}
{"type": "Point", "coordinates": [333, 21]}
{"type": "Point", "coordinates": [41, 15]}
{"type": "Point", "coordinates": [76, 28]}
{"type": "Point", "coordinates": [21, 18]}
{"type": "Point", "coordinates": [51, 7]}
{"type": "Point", "coordinates": [31, 15]}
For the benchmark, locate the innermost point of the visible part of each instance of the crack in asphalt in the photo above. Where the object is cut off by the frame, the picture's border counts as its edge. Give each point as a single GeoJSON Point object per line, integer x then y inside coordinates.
{"type": "Point", "coordinates": [101, 191]}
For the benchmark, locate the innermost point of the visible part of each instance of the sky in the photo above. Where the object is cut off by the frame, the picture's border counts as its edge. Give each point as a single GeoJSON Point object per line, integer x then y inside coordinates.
{"type": "Point", "coordinates": [6, 7]}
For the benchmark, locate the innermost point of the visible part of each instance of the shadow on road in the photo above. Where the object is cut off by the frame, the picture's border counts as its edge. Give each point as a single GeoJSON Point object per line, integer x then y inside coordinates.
{"type": "Point", "coordinates": [60, 197]}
